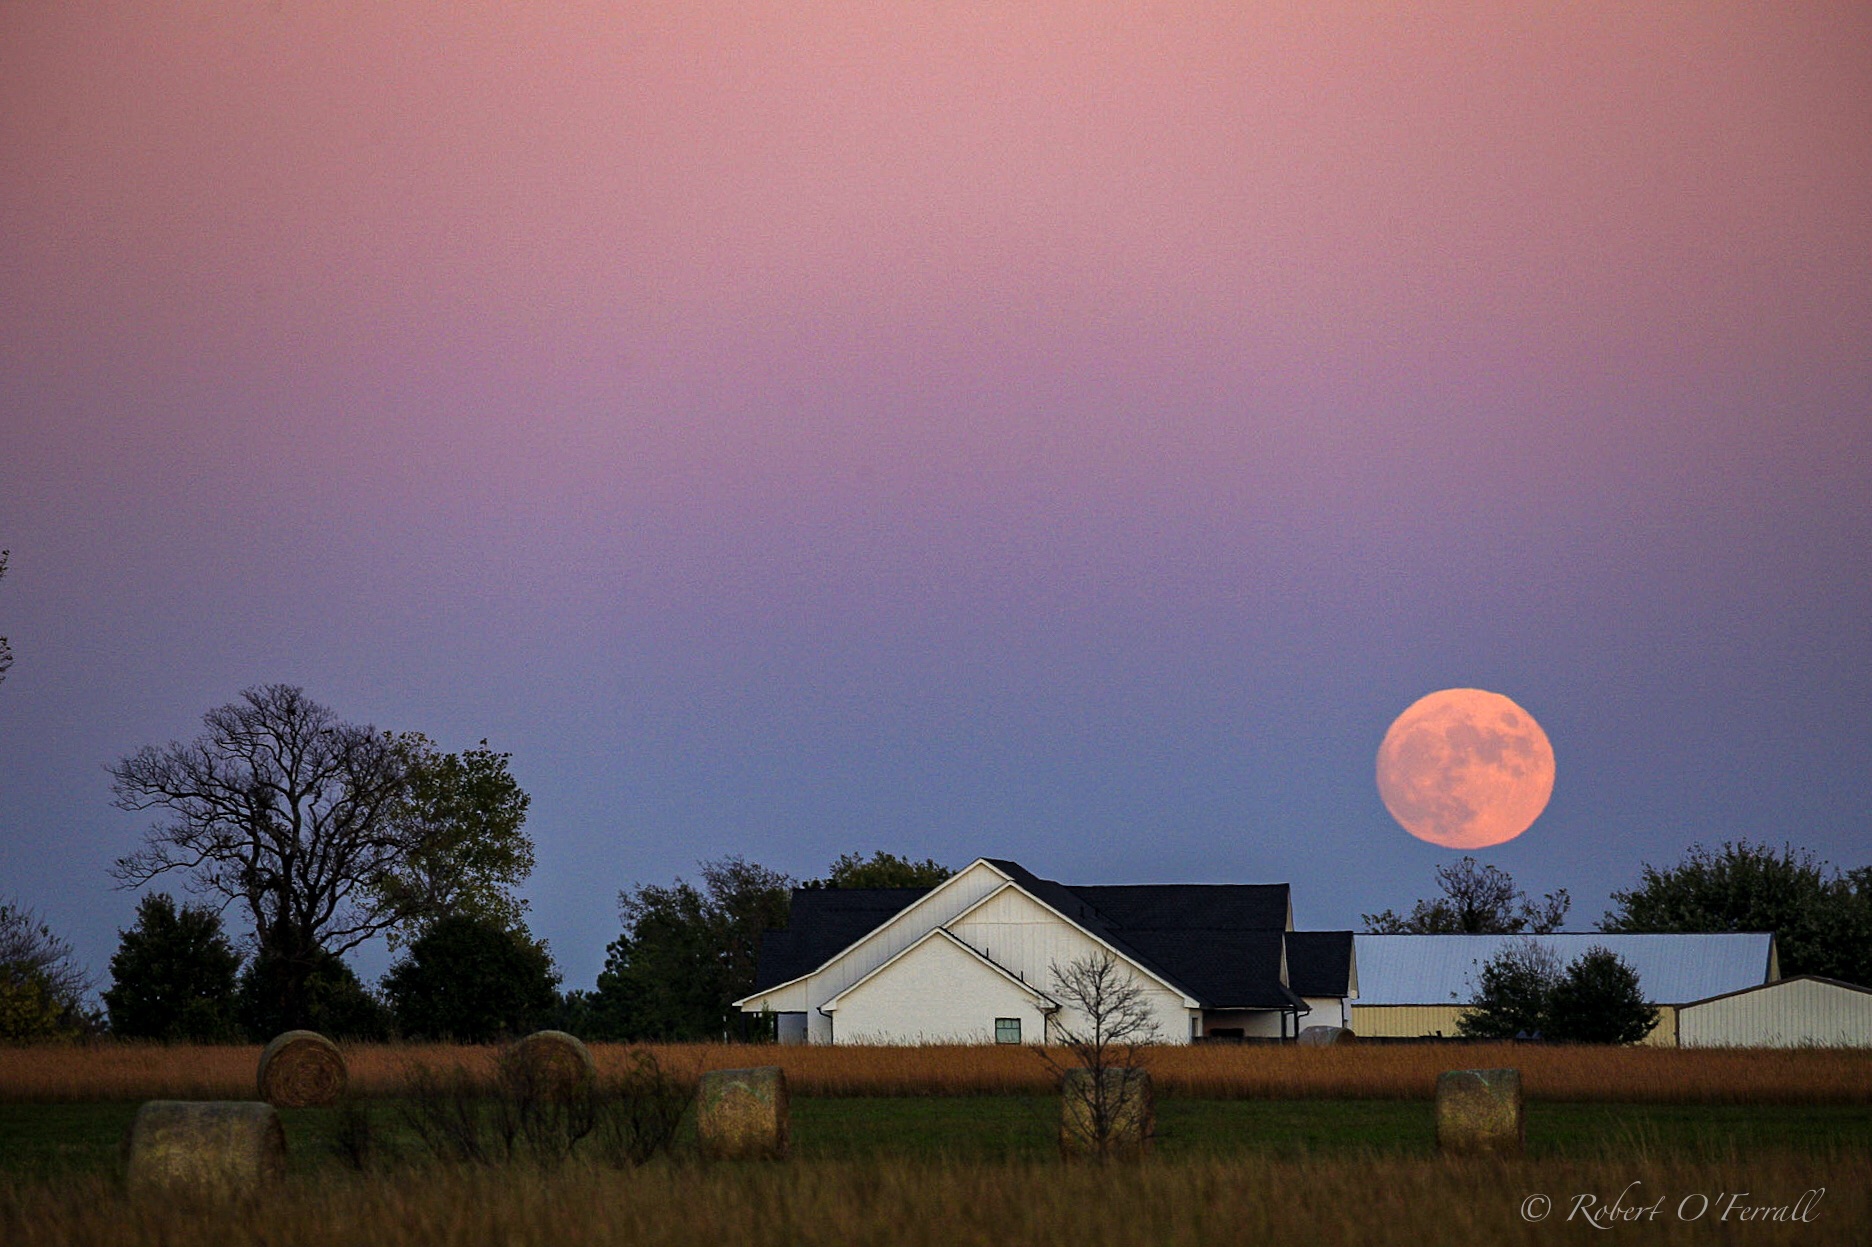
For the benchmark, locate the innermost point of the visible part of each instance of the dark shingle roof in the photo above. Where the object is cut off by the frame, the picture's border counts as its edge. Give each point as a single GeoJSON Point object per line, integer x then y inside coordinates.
{"type": "Point", "coordinates": [822, 923]}
{"type": "Point", "coordinates": [1319, 963]}
{"type": "Point", "coordinates": [1219, 942]}
{"type": "Point", "coordinates": [1224, 969]}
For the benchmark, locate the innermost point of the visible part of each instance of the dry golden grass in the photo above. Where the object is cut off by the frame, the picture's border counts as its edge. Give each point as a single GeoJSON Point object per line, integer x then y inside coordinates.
{"type": "Point", "coordinates": [909, 1204]}
{"type": "Point", "coordinates": [1357, 1071]}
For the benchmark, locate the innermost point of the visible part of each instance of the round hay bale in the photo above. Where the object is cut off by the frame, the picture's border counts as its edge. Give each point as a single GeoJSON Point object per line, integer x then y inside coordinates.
{"type": "Point", "coordinates": [742, 1114]}
{"type": "Point", "coordinates": [551, 1063]}
{"type": "Point", "coordinates": [1479, 1113]}
{"type": "Point", "coordinates": [1325, 1036]}
{"type": "Point", "coordinates": [224, 1147]}
{"type": "Point", "coordinates": [302, 1069]}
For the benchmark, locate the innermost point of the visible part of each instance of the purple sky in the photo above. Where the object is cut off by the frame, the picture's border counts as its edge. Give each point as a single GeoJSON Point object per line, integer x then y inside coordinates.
{"type": "Point", "coordinates": [1070, 434]}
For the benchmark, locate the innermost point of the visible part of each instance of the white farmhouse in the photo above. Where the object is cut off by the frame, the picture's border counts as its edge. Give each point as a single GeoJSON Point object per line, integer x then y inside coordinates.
{"type": "Point", "coordinates": [972, 960]}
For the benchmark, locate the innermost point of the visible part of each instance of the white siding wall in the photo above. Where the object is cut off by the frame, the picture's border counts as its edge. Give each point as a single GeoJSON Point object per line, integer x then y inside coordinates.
{"type": "Point", "coordinates": [1017, 932]}
{"type": "Point", "coordinates": [1789, 1014]}
{"type": "Point", "coordinates": [1327, 1011]}
{"type": "Point", "coordinates": [935, 993]}
{"type": "Point", "coordinates": [1254, 1023]}
{"type": "Point", "coordinates": [954, 896]}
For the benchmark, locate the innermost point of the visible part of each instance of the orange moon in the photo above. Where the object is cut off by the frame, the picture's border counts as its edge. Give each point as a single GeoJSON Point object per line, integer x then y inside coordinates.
{"type": "Point", "coordinates": [1465, 768]}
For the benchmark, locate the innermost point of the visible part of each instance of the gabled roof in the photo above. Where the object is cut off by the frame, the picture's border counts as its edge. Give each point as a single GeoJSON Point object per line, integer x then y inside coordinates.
{"type": "Point", "coordinates": [1047, 1003]}
{"type": "Point", "coordinates": [1319, 963]}
{"type": "Point", "coordinates": [1672, 969]}
{"type": "Point", "coordinates": [1220, 944]}
{"type": "Point", "coordinates": [1190, 906]}
{"type": "Point", "coordinates": [1223, 969]}
{"type": "Point", "coordinates": [1795, 978]}
{"type": "Point", "coordinates": [823, 923]}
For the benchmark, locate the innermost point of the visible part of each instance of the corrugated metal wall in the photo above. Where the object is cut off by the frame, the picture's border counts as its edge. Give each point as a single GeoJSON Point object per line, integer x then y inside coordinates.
{"type": "Point", "coordinates": [1789, 1014]}
{"type": "Point", "coordinates": [1417, 1021]}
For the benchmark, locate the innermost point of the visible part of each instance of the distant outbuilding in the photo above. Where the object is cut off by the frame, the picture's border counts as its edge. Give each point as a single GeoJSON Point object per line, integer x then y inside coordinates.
{"type": "Point", "coordinates": [1800, 1012]}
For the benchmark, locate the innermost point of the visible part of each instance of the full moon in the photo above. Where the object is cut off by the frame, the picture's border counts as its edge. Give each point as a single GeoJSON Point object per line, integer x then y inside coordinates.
{"type": "Point", "coordinates": [1465, 768]}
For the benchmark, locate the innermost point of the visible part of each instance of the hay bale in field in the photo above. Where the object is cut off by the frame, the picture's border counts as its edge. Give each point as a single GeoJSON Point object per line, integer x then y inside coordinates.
{"type": "Point", "coordinates": [1479, 1113]}
{"type": "Point", "coordinates": [1118, 1124]}
{"type": "Point", "coordinates": [550, 1063]}
{"type": "Point", "coordinates": [222, 1147]}
{"type": "Point", "coordinates": [1326, 1036]}
{"type": "Point", "coordinates": [301, 1069]}
{"type": "Point", "coordinates": [742, 1114]}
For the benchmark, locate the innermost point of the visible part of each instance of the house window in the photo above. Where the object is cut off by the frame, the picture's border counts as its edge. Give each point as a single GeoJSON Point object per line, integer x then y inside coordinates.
{"type": "Point", "coordinates": [1007, 1030]}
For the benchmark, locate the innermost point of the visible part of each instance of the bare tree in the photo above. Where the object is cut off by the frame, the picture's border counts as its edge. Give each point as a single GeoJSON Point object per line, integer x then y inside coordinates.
{"type": "Point", "coordinates": [1107, 1026]}
{"type": "Point", "coordinates": [1476, 900]}
{"type": "Point", "coordinates": [285, 810]}
{"type": "Point", "coordinates": [6, 651]}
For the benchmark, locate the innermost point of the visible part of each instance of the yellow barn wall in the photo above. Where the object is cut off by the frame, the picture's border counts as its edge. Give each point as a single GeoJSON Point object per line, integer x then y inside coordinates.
{"type": "Point", "coordinates": [1417, 1021]}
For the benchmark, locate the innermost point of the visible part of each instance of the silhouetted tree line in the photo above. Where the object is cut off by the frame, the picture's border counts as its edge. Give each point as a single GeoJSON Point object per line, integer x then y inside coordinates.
{"type": "Point", "coordinates": [322, 835]}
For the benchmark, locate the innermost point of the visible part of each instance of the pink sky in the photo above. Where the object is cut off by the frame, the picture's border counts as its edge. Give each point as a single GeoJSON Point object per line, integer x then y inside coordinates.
{"type": "Point", "coordinates": [800, 374]}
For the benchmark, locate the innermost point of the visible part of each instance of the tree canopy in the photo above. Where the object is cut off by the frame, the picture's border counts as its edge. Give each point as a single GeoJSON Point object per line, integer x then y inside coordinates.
{"type": "Point", "coordinates": [881, 870]}
{"type": "Point", "coordinates": [471, 979]}
{"type": "Point", "coordinates": [326, 833]}
{"type": "Point", "coordinates": [1598, 1000]}
{"type": "Point", "coordinates": [462, 816]}
{"type": "Point", "coordinates": [686, 953]}
{"type": "Point", "coordinates": [1822, 919]}
{"type": "Point", "coordinates": [6, 650]}
{"type": "Point", "coordinates": [42, 989]}
{"type": "Point", "coordinates": [1475, 900]}
{"type": "Point", "coordinates": [1524, 993]}
{"type": "Point", "coordinates": [1512, 993]}
{"type": "Point", "coordinates": [173, 975]}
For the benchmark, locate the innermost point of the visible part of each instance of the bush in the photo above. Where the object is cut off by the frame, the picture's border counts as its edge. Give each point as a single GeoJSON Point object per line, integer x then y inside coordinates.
{"type": "Point", "coordinates": [336, 1003]}
{"type": "Point", "coordinates": [1524, 994]}
{"type": "Point", "coordinates": [1598, 1001]}
{"type": "Point", "coordinates": [42, 990]}
{"type": "Point", "coordinates": [1512, 999]}
{"type": "Point", "coordinates": [472, 980]}
{"type": "Point", "coordinates": [174, 974]}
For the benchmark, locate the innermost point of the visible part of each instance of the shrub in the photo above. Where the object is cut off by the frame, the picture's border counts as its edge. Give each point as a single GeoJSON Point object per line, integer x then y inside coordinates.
{"type": "Point", "coordinates": [173, 976]}
{"type": "Point", "coordinates": [336, 1003]}
{"type": "Point", "coordinates": [1598, 1001]}
{"type": "Point", "coordinates": [1512, 998]}
{"type": "Point", "coordinates": [472, 980]}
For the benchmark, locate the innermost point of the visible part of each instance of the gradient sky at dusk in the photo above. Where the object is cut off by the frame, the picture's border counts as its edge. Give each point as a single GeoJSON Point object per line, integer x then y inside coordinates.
{"type": "Point", "coordinates": [1062, 431]}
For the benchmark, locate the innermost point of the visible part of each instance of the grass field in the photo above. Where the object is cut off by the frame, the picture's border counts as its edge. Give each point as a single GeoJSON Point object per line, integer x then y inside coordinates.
{"type": "Point", "coordinates": [956, 1146]}
{"type": "Point", "coordinates": [888, 1200]}
{"type": "Point", "coordinates": [74, 1139]}
{"type": "Point", "coordinates": [1275, 1072]}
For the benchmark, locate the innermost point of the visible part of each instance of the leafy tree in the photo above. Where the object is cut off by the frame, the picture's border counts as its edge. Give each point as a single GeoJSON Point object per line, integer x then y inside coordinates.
{"type": "Point", "coordinates": [1476, 900]}
{"type": "Point", "coordinates": [471, 979]}
{"type": "Point", "coordinates": [1598, 1001]}
{"type": "Point", "coordinates": [6, 651]}
{"type": "Point", "coordinates": [42, 990]}
{"type": "Point", "coordinates": [881, 870]}
{"type": "Point", "coordinates": [173, 976]}
{"type": "Point", "coordinates": [1514, 993]}
{"type": "Point", "coordinates": [1822, 919]}
{"type": "Point", "coordinates": [686, 953]}
{"type": "Point", "coordinates": [462, 816]}
{"type": "Point", "coordinates": [330, 999]}
{"type": "Point", "coordinates": [326, 833]}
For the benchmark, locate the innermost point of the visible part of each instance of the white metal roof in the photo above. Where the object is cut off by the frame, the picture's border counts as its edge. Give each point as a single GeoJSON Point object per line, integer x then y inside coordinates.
{"type": "Point", "coordinates": [1445, 969]}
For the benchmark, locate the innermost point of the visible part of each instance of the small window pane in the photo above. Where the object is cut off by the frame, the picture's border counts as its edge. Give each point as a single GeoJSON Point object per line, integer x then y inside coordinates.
{"type": "Point", "coordinates": [1007, 1030]}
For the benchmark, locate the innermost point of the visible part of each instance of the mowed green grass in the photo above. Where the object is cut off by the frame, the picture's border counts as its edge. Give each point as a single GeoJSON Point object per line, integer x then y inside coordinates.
{"type": "Point", "coordinates": [50, 1140]}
